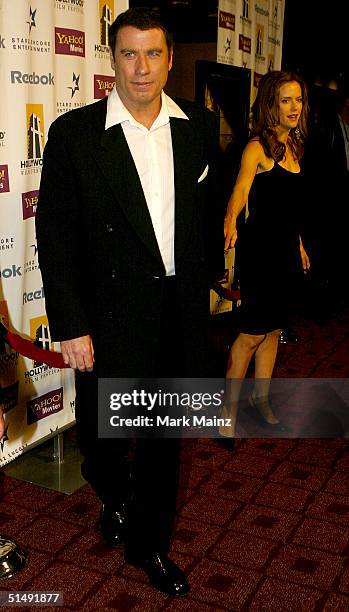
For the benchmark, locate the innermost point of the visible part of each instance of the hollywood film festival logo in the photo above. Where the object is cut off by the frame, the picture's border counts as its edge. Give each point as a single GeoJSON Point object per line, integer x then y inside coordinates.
{"type": "Point", "coordinates": [40, 334]}
{"type": "Point", "coordinates": [105, 20]}
{"type": "Point", "coordinates": [31, 41]}
{"type": "Point", "coordinates": [71, 6]}
{"type": "Point", "coordinates": [35, 139]}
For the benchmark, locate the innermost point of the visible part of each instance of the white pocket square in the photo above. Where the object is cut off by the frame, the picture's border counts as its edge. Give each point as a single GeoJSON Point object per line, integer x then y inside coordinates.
{"type": "Point", "coordinates": [203, 175]}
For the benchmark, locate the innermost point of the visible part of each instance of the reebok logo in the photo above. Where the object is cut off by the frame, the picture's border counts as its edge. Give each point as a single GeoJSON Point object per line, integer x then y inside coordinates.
{"type": "Point", "coordinates": [33, 79]}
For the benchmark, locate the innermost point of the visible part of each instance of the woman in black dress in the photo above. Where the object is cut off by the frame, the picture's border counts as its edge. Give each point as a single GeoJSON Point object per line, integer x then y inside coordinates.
{"type": "Point", "coordinates": [271, 252]}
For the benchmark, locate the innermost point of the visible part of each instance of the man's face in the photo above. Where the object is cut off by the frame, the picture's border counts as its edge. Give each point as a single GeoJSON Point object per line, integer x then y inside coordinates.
{"type": "Point", "coordinates": [141, 63]}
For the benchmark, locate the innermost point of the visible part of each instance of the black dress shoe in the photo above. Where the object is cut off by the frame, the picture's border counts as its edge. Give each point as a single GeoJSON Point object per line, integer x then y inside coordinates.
{"type": "Point", "coordinates": [163, 573]}
{"type": "Point", "coordinates": [113, 524]}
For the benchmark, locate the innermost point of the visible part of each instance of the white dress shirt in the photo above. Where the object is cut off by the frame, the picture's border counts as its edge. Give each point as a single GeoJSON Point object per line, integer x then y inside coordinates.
{"type": "Point", "coordinates": [153, 156]}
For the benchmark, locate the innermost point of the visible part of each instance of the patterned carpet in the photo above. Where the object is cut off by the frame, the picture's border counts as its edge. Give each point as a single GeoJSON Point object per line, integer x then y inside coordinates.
{"type": "Point", "coordinates": [263, 528]}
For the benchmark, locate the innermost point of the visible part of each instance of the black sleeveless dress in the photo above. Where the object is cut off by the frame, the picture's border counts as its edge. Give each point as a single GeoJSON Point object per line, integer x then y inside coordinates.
{"type": "Point", "coordinates": [270, 268]}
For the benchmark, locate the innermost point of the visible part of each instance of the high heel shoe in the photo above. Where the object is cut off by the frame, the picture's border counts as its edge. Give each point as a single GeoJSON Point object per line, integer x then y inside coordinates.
{"type": "Point", "coordinates": [255, 411]}
{"type": "Point", "coordinates": [226, 442]}
{"type": "Point", "coordinates": [226, 433]}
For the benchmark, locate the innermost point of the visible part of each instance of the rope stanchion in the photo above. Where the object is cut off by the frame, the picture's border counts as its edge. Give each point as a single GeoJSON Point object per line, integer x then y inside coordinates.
{"type": "Point", "coordinates": [12, 558]}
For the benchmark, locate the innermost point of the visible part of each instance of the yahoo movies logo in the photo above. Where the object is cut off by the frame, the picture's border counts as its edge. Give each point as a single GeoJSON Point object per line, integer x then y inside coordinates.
{"type": "Point", "coordinates": [226, 20]}
{"type": "Point", "coordinates": [4, 180]}
{"type": "Point", "coordinates": [69, 42]}
{"type": "Point", "coordinates": [44, 406]}
{"type": "Point", "coordinates": [244, 43]}
{"type": "Point", "coordinates": [29, 203]}
{"type": "Point", "coordinates": [102, 85]}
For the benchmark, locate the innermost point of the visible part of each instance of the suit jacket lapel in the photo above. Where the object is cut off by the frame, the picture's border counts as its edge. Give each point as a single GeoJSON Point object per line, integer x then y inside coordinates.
{"type": "Point", "coordinates": [116, 163]}
{"type": "Point", "coordinates": [185, 170]}
{"type": "Point", "coordinates": [114, 159]}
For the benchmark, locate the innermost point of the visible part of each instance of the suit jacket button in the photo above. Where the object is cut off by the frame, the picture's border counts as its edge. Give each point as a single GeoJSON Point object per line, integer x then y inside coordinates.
{"type": "Point", "coordinates": [110, 314]}
{"type": "Point", "coordinates": [113, 273]}
{"type": "Point", "coordinates": [109, 227]}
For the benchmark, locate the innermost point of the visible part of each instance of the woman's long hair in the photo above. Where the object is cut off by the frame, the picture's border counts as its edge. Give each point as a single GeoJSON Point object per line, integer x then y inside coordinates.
{"type": "Point", "coordinates": [265, 115]}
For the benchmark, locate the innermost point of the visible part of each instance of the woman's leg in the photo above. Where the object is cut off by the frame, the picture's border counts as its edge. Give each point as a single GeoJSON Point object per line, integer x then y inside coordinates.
{"type": "Point", "coordinates": [265, 357]}
{"type": "Point", "coordinates": [239, 359]}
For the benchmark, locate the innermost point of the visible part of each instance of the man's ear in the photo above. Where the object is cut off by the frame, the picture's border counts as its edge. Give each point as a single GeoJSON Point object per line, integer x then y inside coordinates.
{"type": "Point", "coordinates": [112, 61]}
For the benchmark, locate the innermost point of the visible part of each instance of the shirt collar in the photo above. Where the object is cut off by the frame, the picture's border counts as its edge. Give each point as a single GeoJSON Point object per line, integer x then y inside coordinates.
{"type": "Point", "coordinates": [118, 113]}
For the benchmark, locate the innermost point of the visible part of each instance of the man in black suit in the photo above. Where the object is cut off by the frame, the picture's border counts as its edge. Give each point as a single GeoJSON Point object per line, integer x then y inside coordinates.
{"type": "Point", "coordinates": [129, 242]}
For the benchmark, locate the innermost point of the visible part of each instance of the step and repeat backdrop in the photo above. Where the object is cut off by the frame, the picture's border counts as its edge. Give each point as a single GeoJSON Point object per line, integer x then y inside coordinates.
{"type": "Point", "coordinates": [249, 35]}
{"type": "Point", "coordinates": [54, 57]}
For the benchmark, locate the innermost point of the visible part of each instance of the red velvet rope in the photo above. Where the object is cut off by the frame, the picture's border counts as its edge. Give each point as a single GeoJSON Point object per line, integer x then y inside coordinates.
{"type": "Point", "coordinates": [29, 349]}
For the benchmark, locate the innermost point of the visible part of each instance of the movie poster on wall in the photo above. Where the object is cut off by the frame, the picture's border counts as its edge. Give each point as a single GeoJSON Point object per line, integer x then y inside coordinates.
{"type": "Point", "coordinates": [54, 58]}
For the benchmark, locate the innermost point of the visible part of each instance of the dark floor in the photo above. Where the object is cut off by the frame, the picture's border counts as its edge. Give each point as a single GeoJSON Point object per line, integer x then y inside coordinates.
{"type": "Point", "coordinates": [263, 528]}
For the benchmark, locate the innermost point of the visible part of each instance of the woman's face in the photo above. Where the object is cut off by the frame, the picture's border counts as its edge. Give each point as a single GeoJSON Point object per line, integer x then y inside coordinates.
{"type": "Point", "coordinates": [290, 105]}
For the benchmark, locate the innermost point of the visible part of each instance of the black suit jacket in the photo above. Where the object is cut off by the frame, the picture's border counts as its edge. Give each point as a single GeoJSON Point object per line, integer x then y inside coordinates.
{"type": "Point", "coordinates": [100, 262]}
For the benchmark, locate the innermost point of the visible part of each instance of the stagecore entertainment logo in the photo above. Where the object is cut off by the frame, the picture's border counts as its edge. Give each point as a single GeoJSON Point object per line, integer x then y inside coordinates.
{"type": "Point", "coordinates": [45, 405]}
{"type": "Point", "coordinates": [71, 100]}
{"type": "Point", "coordinates": [35, 139]}
{"type": "Point", "coordinates": [29, 39]}
{"type": "Point", "coordinates": [31, 262]}
{"type": "Point", "coordinates": [69, 42]}
{"type": "Point", "coordinates": [103, 85]}
{"type": "Point", "coordinates": [2, 139]}
{"type": "Point", "coordinates": [106, 10]}
{"type": "Point", "coordinates": [7, 243]}
{"type": "Point", "coordinates": [8, 455]}
{"type": "Point", "coordinates": [4, 179]}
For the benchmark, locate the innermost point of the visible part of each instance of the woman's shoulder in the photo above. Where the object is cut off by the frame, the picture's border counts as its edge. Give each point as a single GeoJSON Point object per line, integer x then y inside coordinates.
{"type": "Point", "coordinates": [254, 149]}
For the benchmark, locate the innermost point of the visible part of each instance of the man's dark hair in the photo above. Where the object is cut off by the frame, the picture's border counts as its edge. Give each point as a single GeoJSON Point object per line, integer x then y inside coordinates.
{"type": "Point", "coordinates": [142, 18]}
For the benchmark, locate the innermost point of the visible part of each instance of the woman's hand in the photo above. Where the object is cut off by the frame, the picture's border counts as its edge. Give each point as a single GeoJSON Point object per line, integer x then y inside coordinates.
{"type": "Point", "coordinates": [2, 423]}
{"type": "Point", "coordinates": [230, 232]}
{"type": "Point", "coordinates": [304, 256]}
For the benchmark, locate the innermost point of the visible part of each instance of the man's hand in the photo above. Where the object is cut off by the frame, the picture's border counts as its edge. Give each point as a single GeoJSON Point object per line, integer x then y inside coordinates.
{"type": "Point", "coordinates": [78, 353]}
